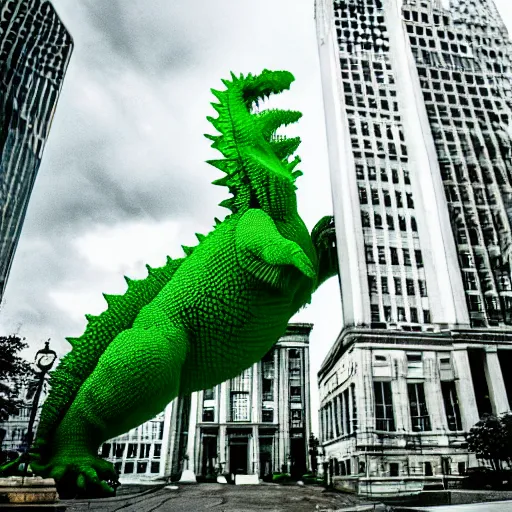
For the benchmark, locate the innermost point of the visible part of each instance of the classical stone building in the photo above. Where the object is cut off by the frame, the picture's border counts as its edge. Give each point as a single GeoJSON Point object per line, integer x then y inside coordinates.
{"type": "Point", "coordinates": [417, 99]}
{"type": "Point", "coordinates": [35, 49]}
{"type": "Point", "coordinates": [254, 424]}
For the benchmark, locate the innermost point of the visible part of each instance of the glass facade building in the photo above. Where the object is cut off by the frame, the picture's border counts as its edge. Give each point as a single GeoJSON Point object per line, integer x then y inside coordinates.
{"type": "Point", "coordinates": [35, 49]}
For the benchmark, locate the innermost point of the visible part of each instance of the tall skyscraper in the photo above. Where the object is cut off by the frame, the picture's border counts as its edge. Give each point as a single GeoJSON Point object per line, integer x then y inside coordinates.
{"type": "Point", "coordinates": [418, 98]}
{"type": "Point", "coordinates": [35, 48]}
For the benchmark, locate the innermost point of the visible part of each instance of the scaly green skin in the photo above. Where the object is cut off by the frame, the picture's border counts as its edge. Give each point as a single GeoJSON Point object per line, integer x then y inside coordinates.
{"type": "Point", "coordinates": [199, 320]}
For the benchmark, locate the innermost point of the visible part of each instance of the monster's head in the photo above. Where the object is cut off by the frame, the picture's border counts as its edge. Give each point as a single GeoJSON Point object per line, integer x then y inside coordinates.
{"type": "Point", "coordinates": [257, 163]}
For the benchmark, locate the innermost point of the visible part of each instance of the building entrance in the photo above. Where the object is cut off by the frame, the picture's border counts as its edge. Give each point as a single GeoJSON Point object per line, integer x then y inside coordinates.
{"type": "Point", "coordinates": [238, 454]}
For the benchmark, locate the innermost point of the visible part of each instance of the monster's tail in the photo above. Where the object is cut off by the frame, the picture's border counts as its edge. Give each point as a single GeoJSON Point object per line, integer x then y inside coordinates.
{"type": "Point", "coordinates": [78, 364]}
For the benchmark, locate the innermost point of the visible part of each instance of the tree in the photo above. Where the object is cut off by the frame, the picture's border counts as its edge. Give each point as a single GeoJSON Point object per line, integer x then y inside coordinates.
{"type": "Point", "coordinates": [14, 371]}
{"type": "Point", "coordinates": [489, 439]}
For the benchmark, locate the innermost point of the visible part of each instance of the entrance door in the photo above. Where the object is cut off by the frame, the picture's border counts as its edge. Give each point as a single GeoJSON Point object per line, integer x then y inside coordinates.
{"type": "Point", "coordinates": [238, 453]}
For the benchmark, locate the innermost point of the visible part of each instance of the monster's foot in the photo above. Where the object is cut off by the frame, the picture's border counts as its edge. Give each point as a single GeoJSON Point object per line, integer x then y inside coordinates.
{"type": "Point", "coordinates": [80, 475]}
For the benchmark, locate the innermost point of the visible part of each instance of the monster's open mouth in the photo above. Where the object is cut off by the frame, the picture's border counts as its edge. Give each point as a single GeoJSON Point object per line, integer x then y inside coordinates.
{"type": "Point", "coordinates": [257, 92]}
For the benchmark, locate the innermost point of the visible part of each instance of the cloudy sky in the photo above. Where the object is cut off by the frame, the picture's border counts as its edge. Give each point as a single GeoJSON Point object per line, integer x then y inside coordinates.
{"type": "Point", "coordinates": [123, 180]}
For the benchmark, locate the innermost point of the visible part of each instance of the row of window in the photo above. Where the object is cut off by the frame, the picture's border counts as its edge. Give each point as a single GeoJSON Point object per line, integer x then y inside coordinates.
{"type": "Point", "coordinates": [410, 286]}
{"type": "Point", "coordinates": [382, 256]}
{"type": "Point", "coordinates": [375, 197]}
{"type": "Point", "coordinates": [240, 389]}
{"type": "Point", "coordinates": [419, 415]}
{"type": "Point", "coordinates": [390, 221]}
{"type": "Point", "coordinates": [370, 172]}
{"type": "Point", "coordinates": [339, 415]}
{"type": "Point", "coordinates": [134, 450]}
{"type": "Point", "coordinates": [400, 314]}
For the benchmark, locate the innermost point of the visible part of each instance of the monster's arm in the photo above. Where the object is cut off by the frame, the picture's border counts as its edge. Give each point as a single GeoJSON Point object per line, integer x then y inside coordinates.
{"type": "Point", "coordinates": [264, 251]}
{"type": "Point", "coordinates": [323, 237]}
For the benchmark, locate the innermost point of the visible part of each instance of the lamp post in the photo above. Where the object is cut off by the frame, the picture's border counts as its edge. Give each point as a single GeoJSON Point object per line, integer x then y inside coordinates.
{"type": "Point", "coordinates": [44, 360]}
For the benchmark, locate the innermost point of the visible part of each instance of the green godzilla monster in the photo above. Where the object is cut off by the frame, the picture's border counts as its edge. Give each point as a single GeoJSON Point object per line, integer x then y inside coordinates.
{"type": "Point", "coordinates": [201, 319]}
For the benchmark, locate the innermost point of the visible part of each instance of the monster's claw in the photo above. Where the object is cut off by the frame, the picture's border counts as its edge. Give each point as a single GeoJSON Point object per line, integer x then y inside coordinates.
{"type": "Point", "coordinates": [303, 263]}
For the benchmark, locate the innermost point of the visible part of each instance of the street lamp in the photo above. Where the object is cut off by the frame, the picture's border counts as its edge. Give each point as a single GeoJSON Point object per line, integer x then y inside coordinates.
{"type": "Point", "coordinates": [44, 360]}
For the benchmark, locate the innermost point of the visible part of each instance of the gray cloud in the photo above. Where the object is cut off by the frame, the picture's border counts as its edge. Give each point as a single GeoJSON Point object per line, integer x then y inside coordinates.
{"type": "Point", "coordinates": [126, 143]}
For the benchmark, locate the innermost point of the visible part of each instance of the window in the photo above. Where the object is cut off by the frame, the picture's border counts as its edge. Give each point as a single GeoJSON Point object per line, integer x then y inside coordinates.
{"type": "Point", "coordinates": [296, 418]}
{"type": "Point", "coordinates": [414, 225]}
{"type": "Point", "coordinates": [105, 450]}
{"type": "Point", "coordinates": [365, 219]}
{"type": "Point", "coordinates": [414, 315]}
{"type": "Point", "coordinates": [267, 415]}
{"type": "Point", "coordinates": [363, 195]}
{"type": "Point", "coordinates": [410, 202]}
{"type": "Point", "coordinates": [426, 316]}
{"type": "Point", "coordinates": [402, 223]}
{"type": "Point", "coordinates": [407, 257]}
{"type": "Point", "coordinates": [209, 394]}
{"type": "Point", "coordinates": [144, 451]}
{"type": "Point", "coordinates": [428, 469]}
{"type": "Point", "coordinates": [128, 467]}
{"type": "Point", "coordinates": [384, 419]}
{"type": "Point", "coordinates": [382, 255]}
{"type": "Point", "coordinates": [240, 387]}
{"type": "Point", "coordinates": [142, 467]}
{"type": "Point", "coordinates": [374, 308]}
{"type": "Point", "coordinates": [157, 450]}
{"type": "Point", "coordinates": [295, 393]}
{"type": "Point", "coordinates": [378, 221]}
{"type": "Point", "coordinates": [390, 222]}
{"type": "Point", "coordinates": [387, 313]}
{"type": "Point", "coordinates": [119, 450]}
{"type": "Point", "coordinates": [375, 196]}
{"type": "Point", "coordinates": [369, 254]}
{"type": "Point", "coordinates": [387, 198]}
{"type": "Point", "coordinates": [398, 286]}
{"type": "Point", "coordinates": [354, 408]}
{"type": "Point", "coordinates": [384, 284]}
{"type": "Point", "coordinates": [451, 405]}
{"type": "Point", "coordinates": [359, 172]}
{"type": "Point", "coordinates": [208, 414]}
{"type": "Point", "coordinates": [155, 467]}
{"type": "Point", "coordinates": [419, 258]}
{"type": "Point", "coordinates": [372, 284]}
{"type": "Point", "coordinates": [409, 284]}
{"type": "Point", "coordinates": [398, 197]}
{"type": "Point", "coordinates": [132, 451]}
{"type": "Point", "coordinates": [394, 256]}
{"type": "Point", "coordinates": [423, 287]}
{"type": "Point", "coordinates": [461, 468]}
{"type": "Point", "coordinates": [393, 468]}
{"type": "Point", "coordinates": [420, 419]}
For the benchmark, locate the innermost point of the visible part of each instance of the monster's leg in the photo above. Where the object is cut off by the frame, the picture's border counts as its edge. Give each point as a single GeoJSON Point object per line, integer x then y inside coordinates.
{"type": "Point", "coordinates": [268, 250]}
{"type": "Point", "coordinates": [136, 377]}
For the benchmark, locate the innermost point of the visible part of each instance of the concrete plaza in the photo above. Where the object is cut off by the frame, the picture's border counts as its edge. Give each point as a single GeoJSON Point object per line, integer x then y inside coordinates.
{"type": "Point", "coordinates": [224, 498]}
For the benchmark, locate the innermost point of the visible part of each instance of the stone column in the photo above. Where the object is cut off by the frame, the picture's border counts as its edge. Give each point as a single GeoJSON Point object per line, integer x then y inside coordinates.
{"type": "Point", "coordinates": [400, 394]}
{"type": "Point", "coordinates": [434, 393]}
{"type": "Point", "coordinates": [192, 426]}
{"type": "Point", "coordinates": [494, 376]}
{"type": "Point", "coordinates": [283, 407]}
{"type": "Point", "coordinates": [256, 395]}
{"type": "Point", "coordinates": [188, 475]}
{"type": "Point", "coordinates": [364, 390]}
{"type": "Point", "coordinates": [223, 414]}
{"type": "Point", "coordinates": [343, 408]}
{"type": "Point", "coordinates": [464, 386]}
{"type": "Point", "coordinates": [350, 411]}
{"type": "Point", "coordinates": [255, 451]}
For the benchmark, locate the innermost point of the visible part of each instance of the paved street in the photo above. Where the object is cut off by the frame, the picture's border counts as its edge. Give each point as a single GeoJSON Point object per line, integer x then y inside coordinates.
{"type": "Point", "coordinates": [497, 506]}
{"type": "Point", "coordinates": [225, 498]}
